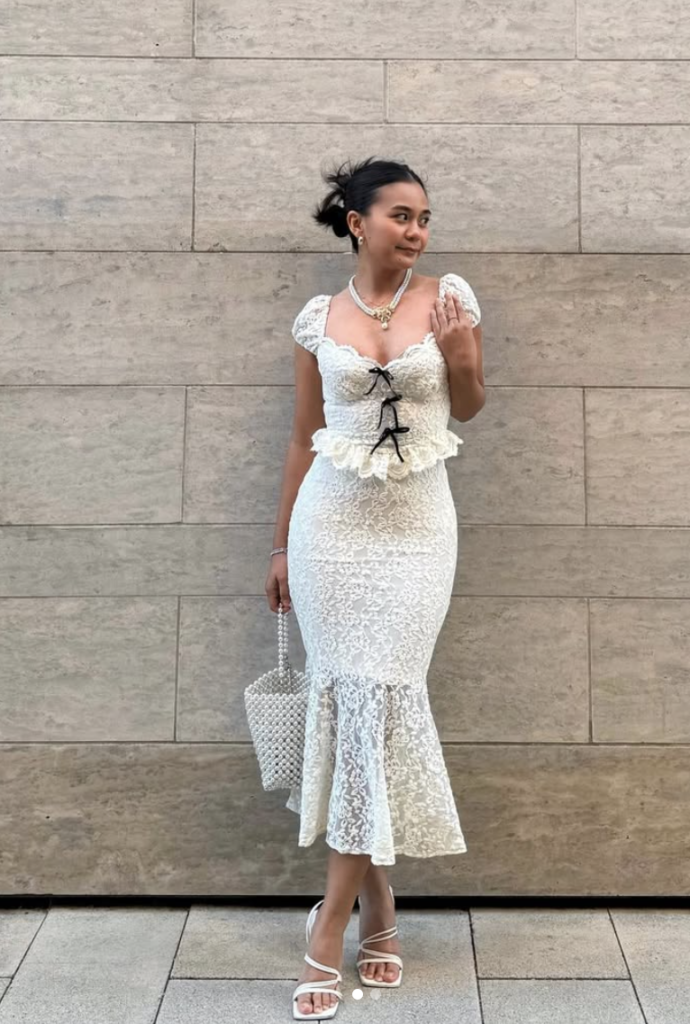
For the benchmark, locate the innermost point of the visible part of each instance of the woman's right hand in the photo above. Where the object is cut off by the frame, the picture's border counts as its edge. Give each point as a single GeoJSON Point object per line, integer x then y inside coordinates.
{"type": "Point", "coordinates": [277, 590]}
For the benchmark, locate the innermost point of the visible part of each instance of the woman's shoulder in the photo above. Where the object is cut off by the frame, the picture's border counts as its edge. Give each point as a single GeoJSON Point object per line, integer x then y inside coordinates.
{"type": "Point", "coordinates": [450, 281]}
{"type": "Point", "coordinates": [308, 325]}
{"type": "Point", "coordinates": [439, 285]}
{"type": "Point", "coordinates": [459, 286]}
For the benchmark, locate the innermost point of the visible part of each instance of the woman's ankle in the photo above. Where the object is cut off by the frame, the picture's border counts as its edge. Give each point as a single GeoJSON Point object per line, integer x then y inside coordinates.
{"type": "Point", "coordinates": [334, 917]}
{"type": "Point", "coordinates": [375, 890]}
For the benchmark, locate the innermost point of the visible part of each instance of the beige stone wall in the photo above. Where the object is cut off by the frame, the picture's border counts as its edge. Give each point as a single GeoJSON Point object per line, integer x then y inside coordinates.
{"type": "Point", "coordinates": [159, 165]}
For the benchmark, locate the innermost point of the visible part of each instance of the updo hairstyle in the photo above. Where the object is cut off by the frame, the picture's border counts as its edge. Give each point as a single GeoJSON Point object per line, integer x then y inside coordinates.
{"type": "Point", "coordinates": [356, 187]}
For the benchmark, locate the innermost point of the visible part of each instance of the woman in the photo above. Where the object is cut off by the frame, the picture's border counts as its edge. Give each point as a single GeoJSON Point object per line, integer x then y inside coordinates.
{"type": "Point", "coordinates": [366, 547]}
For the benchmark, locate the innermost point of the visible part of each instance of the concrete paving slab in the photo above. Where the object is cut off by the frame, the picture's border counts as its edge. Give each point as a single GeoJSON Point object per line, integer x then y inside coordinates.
{"type": "Point", "coordinates": [95, 966]}
{"type": "Point", "coordinates": [560, 1002]}
{"type": "Point", "coordinates": [17, 931]}
{"type": "Point", "coordinates": [515, 942]}
{"type": "Point", "coordinates": [656, 945]}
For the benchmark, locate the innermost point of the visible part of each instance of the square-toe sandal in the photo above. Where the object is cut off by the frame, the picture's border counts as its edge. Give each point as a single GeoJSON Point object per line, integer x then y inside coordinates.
{"type": "Point", "coordinates": [377, 957]}
{"type": "Point", "coordinates": [317, 986]}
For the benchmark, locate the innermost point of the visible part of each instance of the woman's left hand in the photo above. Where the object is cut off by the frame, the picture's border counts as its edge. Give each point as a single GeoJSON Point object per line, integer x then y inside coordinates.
{"type": "Point", "coordinates": [452, 326]}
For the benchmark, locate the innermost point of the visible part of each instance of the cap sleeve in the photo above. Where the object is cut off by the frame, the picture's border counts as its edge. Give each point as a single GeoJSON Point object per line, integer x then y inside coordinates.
{"type": "Point", "coordinates": [307, 330]}
{"type": "Point", "coordinates": [459, 286]}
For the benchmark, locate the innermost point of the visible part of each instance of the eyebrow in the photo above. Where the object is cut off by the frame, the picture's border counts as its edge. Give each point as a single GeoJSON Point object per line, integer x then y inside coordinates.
{"type": "Point", "coordinates": [401, 206]}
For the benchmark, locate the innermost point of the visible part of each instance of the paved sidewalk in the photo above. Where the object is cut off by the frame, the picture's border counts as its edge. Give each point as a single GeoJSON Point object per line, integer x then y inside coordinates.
{"type": "Point", "coordinates": [221, 965]}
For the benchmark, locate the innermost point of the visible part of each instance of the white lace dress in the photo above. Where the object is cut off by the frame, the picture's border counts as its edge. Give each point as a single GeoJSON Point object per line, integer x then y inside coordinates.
{"type": "Point", "coordinates": [372, 547]}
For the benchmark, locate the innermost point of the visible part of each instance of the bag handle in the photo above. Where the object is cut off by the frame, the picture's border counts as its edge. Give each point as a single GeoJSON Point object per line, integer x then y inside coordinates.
{"type": "Point", "coordinates": [283, 661]}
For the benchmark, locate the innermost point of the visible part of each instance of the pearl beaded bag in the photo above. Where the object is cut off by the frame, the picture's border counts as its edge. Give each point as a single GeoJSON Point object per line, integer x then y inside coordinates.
{"type": "Point", "coordinates": [276, 705]}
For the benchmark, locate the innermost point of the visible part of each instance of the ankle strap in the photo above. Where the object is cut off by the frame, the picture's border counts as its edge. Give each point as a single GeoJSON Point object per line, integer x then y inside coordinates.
{"type": "Point", "coordinates": [380, 936]}
{"type": "Point", "coordinates": [323, 967]}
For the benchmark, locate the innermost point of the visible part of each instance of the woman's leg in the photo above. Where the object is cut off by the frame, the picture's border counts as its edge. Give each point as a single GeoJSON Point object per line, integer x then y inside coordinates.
{"type": "Point", "coordinates": [343, 881]}
{"type": "Point", "coordinates": [377, 913]}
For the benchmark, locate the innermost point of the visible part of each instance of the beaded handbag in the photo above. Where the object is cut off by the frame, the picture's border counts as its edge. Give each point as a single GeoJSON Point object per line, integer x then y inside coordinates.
{"type": "Point", "coordinates": [276, 705]}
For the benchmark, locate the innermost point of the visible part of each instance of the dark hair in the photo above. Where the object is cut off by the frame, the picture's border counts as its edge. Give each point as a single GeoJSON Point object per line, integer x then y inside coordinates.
{"type": "Point", "coordinates": [355, 187]}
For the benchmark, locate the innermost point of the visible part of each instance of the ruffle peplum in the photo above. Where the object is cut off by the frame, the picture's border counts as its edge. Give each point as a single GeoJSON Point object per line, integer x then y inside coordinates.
{"type": "Point", "coordinates": [384, 463]}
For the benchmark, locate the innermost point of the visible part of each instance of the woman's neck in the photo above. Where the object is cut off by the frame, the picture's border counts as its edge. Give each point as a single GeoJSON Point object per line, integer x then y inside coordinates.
{"type": "Point", "coordinates": [376, 285]}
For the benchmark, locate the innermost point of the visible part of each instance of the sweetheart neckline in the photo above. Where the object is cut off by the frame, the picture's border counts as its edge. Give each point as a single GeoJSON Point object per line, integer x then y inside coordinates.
{"type": "Point", "coordinates": [370, 359]}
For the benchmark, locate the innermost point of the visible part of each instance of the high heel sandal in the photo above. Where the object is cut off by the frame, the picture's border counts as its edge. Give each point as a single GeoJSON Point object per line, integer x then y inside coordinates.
{"type": "Point", "coordinates": [317, 986]}
{"type": "Point", "coordinates": [378, 957]}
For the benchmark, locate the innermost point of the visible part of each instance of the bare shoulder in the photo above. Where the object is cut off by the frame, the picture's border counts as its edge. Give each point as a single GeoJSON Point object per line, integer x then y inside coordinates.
{"type": "Point", "coordinates": [429, 285]}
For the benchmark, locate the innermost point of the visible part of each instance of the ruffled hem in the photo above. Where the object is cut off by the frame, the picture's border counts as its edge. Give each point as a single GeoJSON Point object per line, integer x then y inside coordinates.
{"type": "Point", "coordinates": [384, 463]}
{"type": "Point", "coordinates": [374, 776]}
{"type": "Point", "coordinates": [385, 859]}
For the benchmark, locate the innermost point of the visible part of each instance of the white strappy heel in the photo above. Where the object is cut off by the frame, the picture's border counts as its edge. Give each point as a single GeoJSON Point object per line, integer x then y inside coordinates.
{"type": "Point", "coordinates": [317, 986]}
{"type": "Point", "coordinates": [377, 957]}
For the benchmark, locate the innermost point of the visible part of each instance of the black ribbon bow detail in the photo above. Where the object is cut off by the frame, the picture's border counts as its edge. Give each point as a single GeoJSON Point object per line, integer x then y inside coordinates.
{"type": "Point", "coordinates": [389, 401]}
{"type": "Point", "coordinates": [380, 373]}
{"type": "Point", "coordinates": [391, 432]}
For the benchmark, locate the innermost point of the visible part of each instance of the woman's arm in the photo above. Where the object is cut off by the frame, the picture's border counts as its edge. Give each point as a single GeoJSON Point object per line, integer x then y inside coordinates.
{"type": "Point", "coordinates": [467, 395]}
{"type": "Point", "coordinates": [308, 417]}
{"type": "Point", "coordinates": [477, 331]}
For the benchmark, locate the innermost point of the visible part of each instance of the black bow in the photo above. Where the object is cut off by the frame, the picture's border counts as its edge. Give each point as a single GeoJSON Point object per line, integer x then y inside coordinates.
{"type": "Point", "coordinates": [381, 373]}
{"type": "Point", "coordinates": [389, 401]}
{"type": "Point", "coordinates": [391, 432]}
{"type": "Point", "coordinates": [388, 377]}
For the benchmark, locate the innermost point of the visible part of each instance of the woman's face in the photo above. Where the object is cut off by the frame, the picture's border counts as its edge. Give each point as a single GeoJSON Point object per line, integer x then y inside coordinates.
{"type": "Point", "coordinates": [396, 223]}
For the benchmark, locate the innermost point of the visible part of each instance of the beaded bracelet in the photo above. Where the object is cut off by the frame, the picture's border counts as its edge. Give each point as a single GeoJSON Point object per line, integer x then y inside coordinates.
{"type": "Point", "coordinates": [277, 550]}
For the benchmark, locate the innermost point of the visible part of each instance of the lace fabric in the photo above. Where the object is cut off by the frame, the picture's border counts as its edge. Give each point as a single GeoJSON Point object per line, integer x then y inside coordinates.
{"type": "Point", "coordinates": [372, 553]}
{"type": "Point", "coordinates": [412, 391]}
{"type": "Point", "coordinates": [371, 565]}
{"type": "Point", "coordinates": [379, 784]}
{"type": "Point", "coordinates": [355, 455]}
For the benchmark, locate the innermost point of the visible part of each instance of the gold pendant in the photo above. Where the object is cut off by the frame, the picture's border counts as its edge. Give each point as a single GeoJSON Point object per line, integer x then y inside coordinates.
{"type": "Point", "coordinates": [383, 313]}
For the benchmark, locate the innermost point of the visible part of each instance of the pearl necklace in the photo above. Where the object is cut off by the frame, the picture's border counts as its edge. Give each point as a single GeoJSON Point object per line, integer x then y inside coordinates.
{"type": "Point", "coordinates": [382, 313]}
